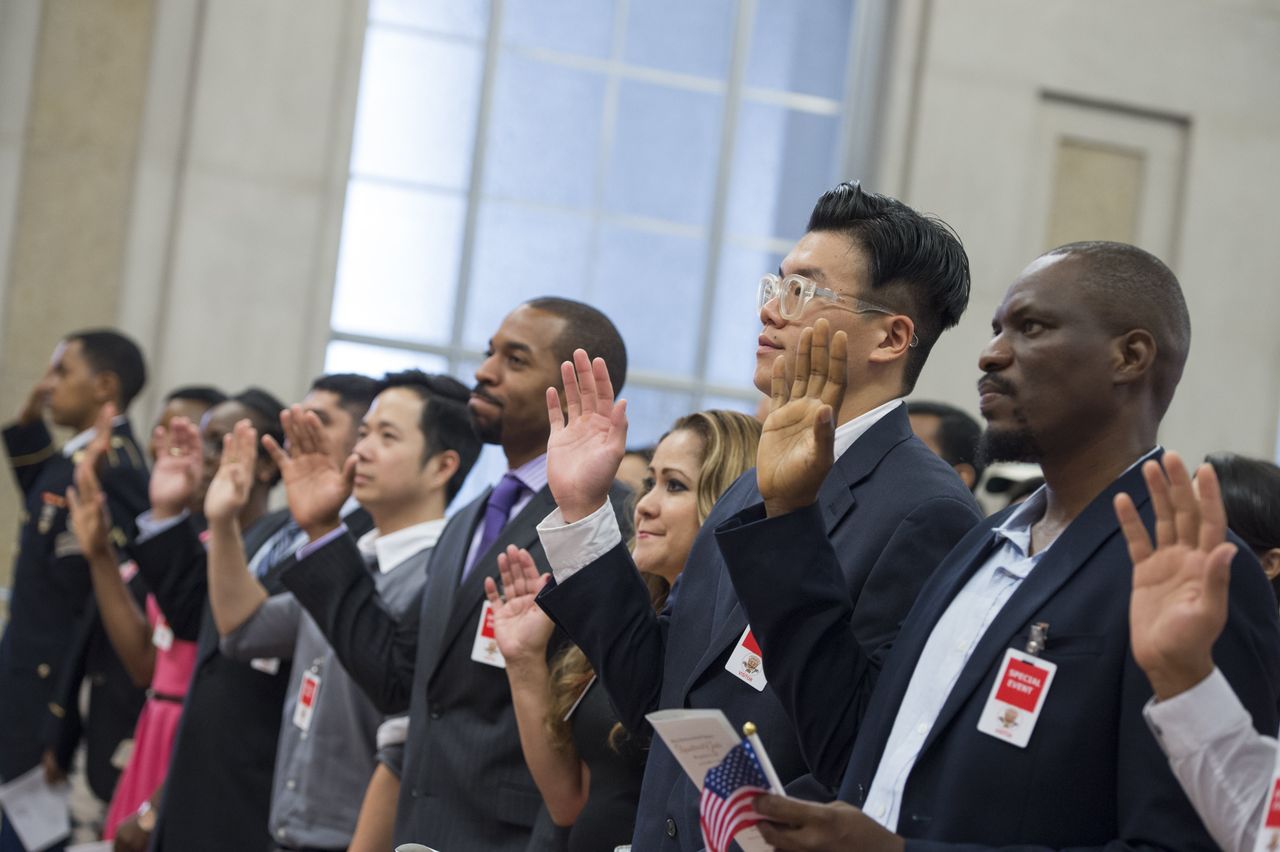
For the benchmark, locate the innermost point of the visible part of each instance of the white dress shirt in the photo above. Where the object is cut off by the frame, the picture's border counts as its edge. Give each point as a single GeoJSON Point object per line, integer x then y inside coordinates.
{"type": "Point", "coordinates": [393, 548]}
{"type": "Point", "coordinates": [1223, 764]}
{"type": "Point", "coordinates": [572, 547]}
{"type": "Point", "coordinates": [947, 651]}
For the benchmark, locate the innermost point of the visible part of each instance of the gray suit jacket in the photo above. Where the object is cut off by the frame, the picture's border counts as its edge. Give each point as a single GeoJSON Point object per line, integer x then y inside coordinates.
{"type": "Point", "coordinates": [465, 785]}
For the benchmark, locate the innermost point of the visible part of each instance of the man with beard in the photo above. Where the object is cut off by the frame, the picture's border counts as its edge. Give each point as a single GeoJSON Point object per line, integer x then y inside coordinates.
{"type": "Point", "coordinates": [1009, 712]}
{"type": "Point", "coordinates": [464, 784]}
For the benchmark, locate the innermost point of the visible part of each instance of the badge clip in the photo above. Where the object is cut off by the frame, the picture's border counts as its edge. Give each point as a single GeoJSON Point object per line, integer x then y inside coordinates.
{"type": "Point", "coordinates": [1039, 637]}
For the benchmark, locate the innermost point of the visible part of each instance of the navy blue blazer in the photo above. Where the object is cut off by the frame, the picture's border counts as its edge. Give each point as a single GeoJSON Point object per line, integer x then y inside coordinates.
{"type": "Point", "coordinates": [891, 508]}
{"type": "Point", "coordinates": [1092, 775]}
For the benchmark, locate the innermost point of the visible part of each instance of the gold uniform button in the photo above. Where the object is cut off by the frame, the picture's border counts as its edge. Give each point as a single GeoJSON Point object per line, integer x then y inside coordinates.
{"type": "Point", "coordinates": [43, 670]}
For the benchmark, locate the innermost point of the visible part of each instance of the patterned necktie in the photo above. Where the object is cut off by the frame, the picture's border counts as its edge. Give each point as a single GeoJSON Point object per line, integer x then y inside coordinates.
{"type": "Point", "coordinates": [281, 547]}
{"type": "Point", "coordinates": [496, 511]}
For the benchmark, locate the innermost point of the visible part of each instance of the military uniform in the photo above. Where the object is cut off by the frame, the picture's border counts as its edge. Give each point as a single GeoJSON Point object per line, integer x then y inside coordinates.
{"type": "Point", "coordinates": [51, 585]}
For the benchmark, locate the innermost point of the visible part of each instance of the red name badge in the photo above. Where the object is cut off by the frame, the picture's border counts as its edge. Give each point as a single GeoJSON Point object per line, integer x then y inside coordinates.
{"type": "Point", "coordinates": [1017, 697]}
{"type": "Point", "coordinates": [485, 648]}
{"type": "Point", "coordinates": [1268, 837]}
{"type": "Point", "coordinates": [308, 692]}
{"type": "Point", "coordinates": [746, 662]}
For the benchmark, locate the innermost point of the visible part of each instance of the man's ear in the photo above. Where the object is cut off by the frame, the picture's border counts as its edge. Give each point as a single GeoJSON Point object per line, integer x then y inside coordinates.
{"type": "Point", "coordinates": [106, 388]}
{"type": "Point", "coordinates": [1134, 355]}
{"type": "Point", "coordinates": [1271, 562]}
{"type": "Point", "coordinates": [442, 466]}
{"type": "Point", "coordinates": [899, 331]}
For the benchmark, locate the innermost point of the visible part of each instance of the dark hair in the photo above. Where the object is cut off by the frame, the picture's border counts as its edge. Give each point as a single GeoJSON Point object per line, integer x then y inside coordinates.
{"type": "Point", "coordinates": [917, 263]}
{"type": "Point", "coordinates": [1251, 493]}
{"type": "Point", "coordinates": [264, 414]}
{"type": "Point", "coordinates": [1131, 288]}
{"type": "Point", "coordinates": [107, 350]}
{"type": "Point", "coordinates": [207, 395]}
{"type": "Point", "coordinates": [958, 434]}
{"type": "Point", "coordinates": [355, 392]}
{"type": "Point", "coordinates": [445, 423]}
{"type": "Point", "coordinates": [586, 328]}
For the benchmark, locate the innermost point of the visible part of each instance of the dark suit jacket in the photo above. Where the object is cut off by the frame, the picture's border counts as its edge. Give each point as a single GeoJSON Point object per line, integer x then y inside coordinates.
{"type": "Point", "coordinates": [891, 508]}
{"type": "Point", "coordinates": [464, 785]}
{"type": "Point", "coordinates": [51, 586]}
{"type": "Point", "coordinates": [218, 792]}
{"type": "Point", "coordinates": [1092, 775]}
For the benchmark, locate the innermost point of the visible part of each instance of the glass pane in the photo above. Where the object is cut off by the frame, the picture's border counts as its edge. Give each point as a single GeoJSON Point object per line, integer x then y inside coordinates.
{"type": "Point", "coordinates": [733, 403]}
{"type": "Point", "coordinates": [650, 285]}
{"type": "Point", "coordinates": [665, 152]}
{"type": "Point", "coordinates": [398, 265]}
{"type": "Point", "coordinates": [678, 35]}
{"type": "Point", "coordinates": [737, 327]}
{"type": "Point", "coordinates": [584, 27]}
{"type": "Point", "coordinates": [783, 160]}
{"type": "Point", "coordinates": [801, 46]}
{"type": "Point", "coordinates": [522, 253]}
{"type": "Point", "coordinates": [456, 17]}
{"type": "Point", "coordinates": [342, 356]}
{"type": "Point", "coordinates": [651, 411]}
{"type": "Point", "coordinates": [544, 137]}
{"type": "Point", "coordinates": [416, 116]}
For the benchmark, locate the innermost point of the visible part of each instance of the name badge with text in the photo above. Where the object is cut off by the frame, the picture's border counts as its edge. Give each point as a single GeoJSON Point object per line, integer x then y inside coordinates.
{"type": "Point", "coordinates": [1017, 697]}
{"type": "Point", "coordinates": [307, 694]}
{"type": "Point", "coordinates": [1268, 839]}
{"type": "Point", "coordinates": [485, 650]}
{"type": "Point", "coordinates": [747, 663]}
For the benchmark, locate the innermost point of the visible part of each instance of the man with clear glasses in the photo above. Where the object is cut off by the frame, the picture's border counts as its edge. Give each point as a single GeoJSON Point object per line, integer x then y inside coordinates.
{"type": "Point", "coordinates": [881, 282]}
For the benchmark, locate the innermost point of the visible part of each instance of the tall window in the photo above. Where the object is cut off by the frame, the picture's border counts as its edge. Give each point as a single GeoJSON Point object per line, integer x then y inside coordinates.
{"type": "Point", "coordinates": [650, 157]}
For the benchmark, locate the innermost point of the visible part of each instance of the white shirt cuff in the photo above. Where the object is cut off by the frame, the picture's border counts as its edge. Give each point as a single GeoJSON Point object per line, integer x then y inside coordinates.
{"type": "Point", "coordinates": [149, 528]}
{"type": "Point", "coordinates": [1206, 712]}
{"type": "Point", "coordinates": [572, 547]}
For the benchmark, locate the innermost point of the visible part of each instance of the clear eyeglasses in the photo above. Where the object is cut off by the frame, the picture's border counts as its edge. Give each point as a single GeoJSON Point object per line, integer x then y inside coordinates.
{"type": "Point", "coordinates": [795, 292]}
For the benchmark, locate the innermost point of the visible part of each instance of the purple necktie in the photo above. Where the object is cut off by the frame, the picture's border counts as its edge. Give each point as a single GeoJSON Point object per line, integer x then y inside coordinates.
{"type": "Point", "coordinates": [496, 511]}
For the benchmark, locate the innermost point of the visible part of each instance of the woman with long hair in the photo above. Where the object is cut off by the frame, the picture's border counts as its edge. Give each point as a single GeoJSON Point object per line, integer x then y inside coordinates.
{"type": "Point", "coordinates": [587, 767]}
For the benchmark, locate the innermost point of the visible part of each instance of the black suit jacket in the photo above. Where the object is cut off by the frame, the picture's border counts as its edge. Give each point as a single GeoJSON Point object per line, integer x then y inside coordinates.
{"type": "Point", "coordinates": [464, 785]}
{"type": "Point", "coordinates": [51, 586]}
{"type": "Point", "coordinates": [218, 791]}
{"type": "Point", "coordinates": [891, 508]}
{"type": "Point", "coordinates": [1092, 775]}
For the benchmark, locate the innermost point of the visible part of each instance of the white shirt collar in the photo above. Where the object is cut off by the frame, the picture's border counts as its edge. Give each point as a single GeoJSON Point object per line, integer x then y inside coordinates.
{"type": "Point", "coordinates": [349, 506]}
{"type": "Point", "coordinates": [80, 441]}
{"type": "Point", "coordinates": [847, 433]}
{"type": "Point", "coordinates": [394, 548]}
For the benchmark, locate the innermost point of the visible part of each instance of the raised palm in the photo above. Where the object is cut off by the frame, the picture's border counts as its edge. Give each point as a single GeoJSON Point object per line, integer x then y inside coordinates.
{"type": "Point", "coordinates": [586, 446]}
{"type": "Point", "coordinates": [316, 487]}
{"type": "Point", "coordinates": [86, 504]}
{"type": "Point", "coordinates": [1179, 602]}
{"type": "Point", "coordinates": [178, 468]}
{"type": "Point", "coordinates": [797, 444]}
{"type": "Point", "coordinates": [231, 485]}
{"type": "Point", "coordinates": [520, 626]}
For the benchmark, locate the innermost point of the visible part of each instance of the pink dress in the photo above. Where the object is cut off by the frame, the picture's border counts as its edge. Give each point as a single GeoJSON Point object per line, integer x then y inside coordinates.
{"type": "Point", "coordinates": [157, 724]}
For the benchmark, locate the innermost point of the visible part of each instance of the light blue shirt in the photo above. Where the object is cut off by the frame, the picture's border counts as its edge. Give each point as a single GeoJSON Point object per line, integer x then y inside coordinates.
{"type": "Point", "coordinates": [948, 650]}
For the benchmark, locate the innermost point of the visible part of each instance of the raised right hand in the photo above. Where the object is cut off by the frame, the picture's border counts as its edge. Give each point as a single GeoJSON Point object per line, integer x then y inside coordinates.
{"type": "Point", "coordinates": [230, 488]}
{"type": "Point", "coordinates": [1180, 585]}
{"type": "Point", "coordinates": [519, 624]}
{"type": "Point", "coordinates": [179, 464]}
{"type": "Point", "coordinates": [86, 504]}
{"type": "Point", "coordinates": [584, 450]}
{"type": "Point", "coordinates": [797, 445]}
{"type": "Point", "coordinates": [33, 407]}
{"type": "Point", "coordinates": [314, 484]}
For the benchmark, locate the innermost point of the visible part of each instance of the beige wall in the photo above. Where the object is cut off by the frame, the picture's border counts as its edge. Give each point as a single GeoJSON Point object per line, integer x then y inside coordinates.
{"type": "Point", "coordinates": [972, 85]}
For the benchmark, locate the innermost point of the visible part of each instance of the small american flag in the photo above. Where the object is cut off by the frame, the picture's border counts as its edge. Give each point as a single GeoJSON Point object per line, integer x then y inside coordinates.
{"type": "Point", "coordinates": [728, 795]}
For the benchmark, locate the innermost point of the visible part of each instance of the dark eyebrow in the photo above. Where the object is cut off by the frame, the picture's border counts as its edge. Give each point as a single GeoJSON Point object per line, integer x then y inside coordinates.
{"type": "Point", "coordinates": [807, 272]}
{"type": "Point", "coordinates": [522, 347]}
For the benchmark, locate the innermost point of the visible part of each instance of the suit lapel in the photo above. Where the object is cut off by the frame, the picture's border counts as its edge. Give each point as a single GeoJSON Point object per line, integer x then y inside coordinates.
{"type": "Point", "coordinates": [522, 531]}
{"type": "Point", "coordinates": [444, 571]}
{"type": "Point", "coordinates": [1073, 549]}
{"type": "Point", "coordinates": [836, 498]}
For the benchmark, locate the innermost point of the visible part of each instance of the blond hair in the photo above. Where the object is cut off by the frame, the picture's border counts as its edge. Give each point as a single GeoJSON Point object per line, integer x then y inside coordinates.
{"type": "Point", "coordinates": [729, 440]}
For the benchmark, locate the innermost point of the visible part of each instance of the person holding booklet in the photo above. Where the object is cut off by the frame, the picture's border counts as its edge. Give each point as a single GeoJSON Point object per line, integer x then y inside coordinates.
{"type": "Point", "coordinates": [586, 765]}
